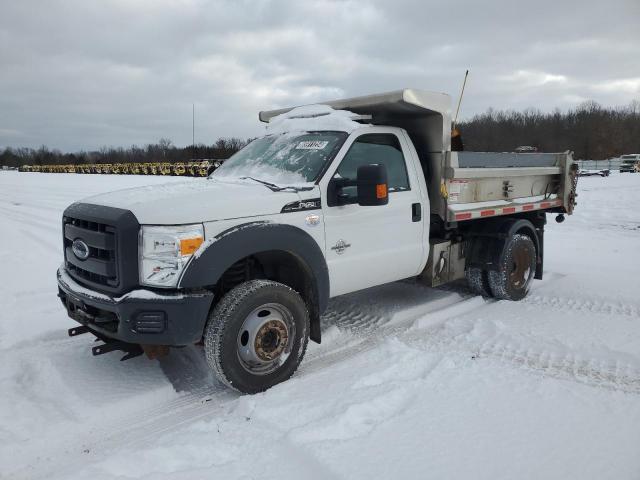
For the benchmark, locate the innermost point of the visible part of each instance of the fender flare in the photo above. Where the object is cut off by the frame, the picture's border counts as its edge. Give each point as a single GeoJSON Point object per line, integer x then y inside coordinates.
{"type": "Point", "coordinates": [253, 238]}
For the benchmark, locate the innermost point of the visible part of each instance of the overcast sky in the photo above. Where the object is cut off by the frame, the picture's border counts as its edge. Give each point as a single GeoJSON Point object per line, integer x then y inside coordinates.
{"type": "Point", "coordinates": [83, 74]}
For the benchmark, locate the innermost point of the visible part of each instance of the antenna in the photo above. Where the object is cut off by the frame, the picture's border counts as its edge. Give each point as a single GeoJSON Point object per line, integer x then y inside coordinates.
{"type": "Point", "coordinates": [193, 128]}
{"type": "Point", "coordinates": [455, 120]}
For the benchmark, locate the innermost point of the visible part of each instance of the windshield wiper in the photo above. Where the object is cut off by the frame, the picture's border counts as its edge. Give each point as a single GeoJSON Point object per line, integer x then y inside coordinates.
{"type": "Point", "coordinates": [271, 186]}
{"type": "Point", "coordinates": [276, 188]}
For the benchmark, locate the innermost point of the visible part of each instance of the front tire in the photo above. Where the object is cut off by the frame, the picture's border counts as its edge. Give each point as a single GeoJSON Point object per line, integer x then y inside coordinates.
{"type": "Point", "coordinates": [256, 336]}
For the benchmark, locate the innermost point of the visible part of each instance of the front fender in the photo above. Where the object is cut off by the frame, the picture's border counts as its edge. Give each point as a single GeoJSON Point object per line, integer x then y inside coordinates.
{"type": "Point", "coordinates": [252, 238]}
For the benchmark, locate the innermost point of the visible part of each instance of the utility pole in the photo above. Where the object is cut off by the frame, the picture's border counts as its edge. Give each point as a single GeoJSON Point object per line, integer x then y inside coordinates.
{"type": "Point", "coordinates": [193, 129]}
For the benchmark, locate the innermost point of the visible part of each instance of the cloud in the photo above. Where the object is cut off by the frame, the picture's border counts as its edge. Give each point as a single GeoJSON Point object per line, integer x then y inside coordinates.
{"type": "Point", "coordinates": [529, 79]}
{"type": "Point", "coordinates": [626, 85]}
{"type": "Point", "coordinates": [79, 74]}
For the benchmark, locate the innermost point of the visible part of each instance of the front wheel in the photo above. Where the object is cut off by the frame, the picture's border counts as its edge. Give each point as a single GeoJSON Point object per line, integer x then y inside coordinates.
{"type": "Point", "coordinates": [257, 335]}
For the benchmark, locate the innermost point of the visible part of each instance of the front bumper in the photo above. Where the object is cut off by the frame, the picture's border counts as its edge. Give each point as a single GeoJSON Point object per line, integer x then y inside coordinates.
{"type": "Point", "coordinates": [141, 316]}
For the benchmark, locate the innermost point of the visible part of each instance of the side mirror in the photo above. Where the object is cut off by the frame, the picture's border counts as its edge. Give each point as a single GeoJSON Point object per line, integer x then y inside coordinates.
{"type": "Point", "coordinates": [372, 185]}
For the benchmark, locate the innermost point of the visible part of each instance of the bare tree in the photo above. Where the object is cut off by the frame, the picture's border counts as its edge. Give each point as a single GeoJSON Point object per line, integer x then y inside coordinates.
{"type": "Point", "coordinates": [590, 130]}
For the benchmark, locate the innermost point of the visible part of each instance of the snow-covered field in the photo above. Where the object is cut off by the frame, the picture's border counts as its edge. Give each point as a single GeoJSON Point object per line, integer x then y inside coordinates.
{"type": "Point", "coordinates": [410, 382]}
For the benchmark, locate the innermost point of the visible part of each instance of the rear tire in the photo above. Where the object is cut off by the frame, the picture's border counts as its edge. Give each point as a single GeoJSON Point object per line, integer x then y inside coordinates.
{"type": "Point", "coordinates": [256, 336]}
{"type": "Point", "coordinates": [478, 281]}
{"type": "Point", "coordinates": [516, 269]}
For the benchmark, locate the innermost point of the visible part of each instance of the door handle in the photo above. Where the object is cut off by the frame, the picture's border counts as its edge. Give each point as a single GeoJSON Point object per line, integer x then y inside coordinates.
{"type": "Point", "coordinates": [416, 212]}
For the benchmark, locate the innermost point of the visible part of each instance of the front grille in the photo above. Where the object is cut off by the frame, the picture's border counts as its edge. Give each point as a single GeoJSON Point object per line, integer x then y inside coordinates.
{"type": "Point", "coordinates": [101, 266]}
{"type": "Point", "coordinates": [111, 238]}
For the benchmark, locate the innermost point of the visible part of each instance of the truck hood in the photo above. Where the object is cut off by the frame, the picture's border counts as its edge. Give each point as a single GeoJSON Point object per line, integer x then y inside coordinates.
{"type": "Point", "coordinates": [196, 201]}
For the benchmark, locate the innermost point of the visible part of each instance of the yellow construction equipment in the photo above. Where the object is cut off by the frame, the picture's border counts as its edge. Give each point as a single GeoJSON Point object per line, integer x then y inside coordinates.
{"type": "Point", "coordinates": [195, 168]}
{"type": "Point", "coordinates": [178, 169]}
{"type": "Point", "coordinates": [165, 168]}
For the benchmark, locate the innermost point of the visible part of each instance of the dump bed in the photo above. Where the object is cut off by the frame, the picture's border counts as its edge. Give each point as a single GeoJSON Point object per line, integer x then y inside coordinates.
{"type": "Point", "coordinates": [486, 184]}
{"type": "Point", "coordinates": [465, 185]}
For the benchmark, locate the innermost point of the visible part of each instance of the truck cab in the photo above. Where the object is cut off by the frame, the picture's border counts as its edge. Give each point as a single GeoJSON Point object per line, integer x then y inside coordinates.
{"type": "Point", "coordinates": [335, 198]}
{"type": "Point", "coordinates": [356, 236]}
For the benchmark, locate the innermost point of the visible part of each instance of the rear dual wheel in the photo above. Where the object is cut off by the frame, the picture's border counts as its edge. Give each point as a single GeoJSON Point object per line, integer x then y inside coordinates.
{"type": "Point", "coordinates": [511, 278]}
{"type": "Point", "coordinates": [478, 281]}
{"type": "Point", "coordinates": [516, 268]}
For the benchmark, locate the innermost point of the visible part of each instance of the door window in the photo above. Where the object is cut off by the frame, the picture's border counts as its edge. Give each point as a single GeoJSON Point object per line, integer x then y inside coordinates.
{"type": "Point", "coordinates": [374, 148]}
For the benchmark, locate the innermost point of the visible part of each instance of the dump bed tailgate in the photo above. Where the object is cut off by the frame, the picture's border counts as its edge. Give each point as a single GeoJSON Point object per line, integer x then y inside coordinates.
{"type": "Point", "coordinates": [478, 184]}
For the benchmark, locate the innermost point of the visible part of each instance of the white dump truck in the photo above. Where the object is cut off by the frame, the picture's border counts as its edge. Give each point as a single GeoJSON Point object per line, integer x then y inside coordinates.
{"type": "Point", "coordinates": [335, 198]}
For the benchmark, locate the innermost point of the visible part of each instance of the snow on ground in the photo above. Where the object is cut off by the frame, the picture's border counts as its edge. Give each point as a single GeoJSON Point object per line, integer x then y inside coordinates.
{"type": "Point", "coordinates": [410, 382]}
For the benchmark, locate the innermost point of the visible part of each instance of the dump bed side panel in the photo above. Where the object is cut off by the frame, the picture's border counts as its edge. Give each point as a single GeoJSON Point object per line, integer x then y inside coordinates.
{"type": "Point", "coordinates": [478, 184]}
{"type": "Point", "coordinates": [506, 160]}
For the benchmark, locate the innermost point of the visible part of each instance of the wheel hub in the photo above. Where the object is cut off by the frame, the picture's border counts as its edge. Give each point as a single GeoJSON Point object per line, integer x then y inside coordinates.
{"type": "Point", "coordinates": [521, 268]}
{"type": "Point", "coordinates": [265, 338]}
{"type": "Point", "coordinates": [271, 340]}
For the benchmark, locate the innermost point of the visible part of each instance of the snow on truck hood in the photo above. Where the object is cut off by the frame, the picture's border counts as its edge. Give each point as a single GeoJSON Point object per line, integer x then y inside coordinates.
{"type": "Point", "coordinates": [196, 201]}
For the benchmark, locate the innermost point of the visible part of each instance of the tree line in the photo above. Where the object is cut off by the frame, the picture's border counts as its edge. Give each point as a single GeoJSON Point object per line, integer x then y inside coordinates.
{"type": "Point", "coordinates": [163, 151]}
{"type": "Point", "coordinates": [591, 131]}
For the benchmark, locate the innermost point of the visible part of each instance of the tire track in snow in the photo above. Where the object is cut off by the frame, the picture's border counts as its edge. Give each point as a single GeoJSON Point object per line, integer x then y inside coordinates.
{"type": "Point", "coordinates": [394, 328]}
{"type": "Point", "coordinates": [137, 427]}
{"type": "Point", "coordinates": [11, 192]}
{"type": "Point", "coordinates": [618, 375]}
{"type": "Point", "coordinates": [12, 202]}
{"type": "Point", "coordinates": [18, 208]}
{"type": "Point", "coordinates": [20, 224]}
{"type": "Point", "coordinates": [613, 372]}
{"type": "Point", "coordinates": [588, 305]}
{"type": "Point", "coordinates": [42, 244]}
{"type": "Point", "coordinates": [26, 219]}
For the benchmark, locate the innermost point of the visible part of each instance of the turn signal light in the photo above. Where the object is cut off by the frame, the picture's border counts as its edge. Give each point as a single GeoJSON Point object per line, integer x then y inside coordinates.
{"type": "Point", "coordinates": [381, 190]}
{"type": "Point", "coordinates": [189, 245]}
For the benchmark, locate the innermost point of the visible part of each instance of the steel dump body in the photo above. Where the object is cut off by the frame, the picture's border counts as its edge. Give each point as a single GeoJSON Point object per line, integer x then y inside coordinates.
{"type": "Point", "coordinates": [465, 185]}
{"type": "Point", "coordinates": [478, 185]}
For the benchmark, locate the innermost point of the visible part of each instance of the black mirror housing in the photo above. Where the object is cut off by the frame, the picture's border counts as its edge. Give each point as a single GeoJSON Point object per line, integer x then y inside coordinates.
{"type": "Point", "coordinates": [372, 185]}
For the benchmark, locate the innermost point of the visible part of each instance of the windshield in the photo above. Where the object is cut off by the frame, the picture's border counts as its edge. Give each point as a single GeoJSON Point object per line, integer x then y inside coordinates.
{"type": "Point", "coordinates": [284, 159]}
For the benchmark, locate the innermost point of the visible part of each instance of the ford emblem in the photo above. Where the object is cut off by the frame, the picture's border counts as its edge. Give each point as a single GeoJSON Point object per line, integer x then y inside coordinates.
{"type": "Point", "coordinates": [80, 249]}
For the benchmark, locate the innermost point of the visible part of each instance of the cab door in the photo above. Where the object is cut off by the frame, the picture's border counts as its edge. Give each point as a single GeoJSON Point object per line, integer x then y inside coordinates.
{"type": "Point", "coordinates": [372, 245]}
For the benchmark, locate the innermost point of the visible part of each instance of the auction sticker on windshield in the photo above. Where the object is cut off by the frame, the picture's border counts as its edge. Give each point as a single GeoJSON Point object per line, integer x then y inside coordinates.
{"type": "Point", "coordinates": [312, 145]}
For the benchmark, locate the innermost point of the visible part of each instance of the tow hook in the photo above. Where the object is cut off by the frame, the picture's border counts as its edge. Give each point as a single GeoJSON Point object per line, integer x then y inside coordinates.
{"type": "Point", "coordinates": [560, 218]}
{"type": "Point", "coordinates": [130, 349]}
{"type": "Point", "coordinates": [109, 345]}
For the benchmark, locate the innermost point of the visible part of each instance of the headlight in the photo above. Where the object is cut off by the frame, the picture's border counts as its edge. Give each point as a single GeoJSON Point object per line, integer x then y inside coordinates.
{"type": "Point", "coordinates": [165, 251]}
